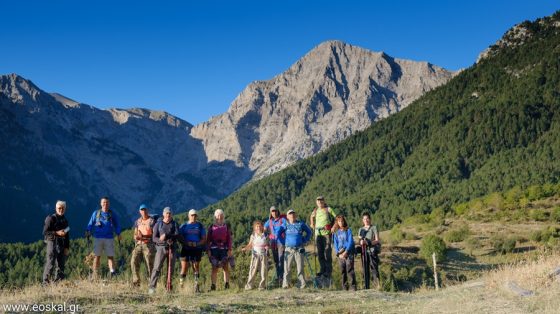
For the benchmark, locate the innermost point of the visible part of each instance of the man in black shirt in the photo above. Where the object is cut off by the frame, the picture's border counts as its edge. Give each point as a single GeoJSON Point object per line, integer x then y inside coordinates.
{"type": "Point", "coordinates": [57, 239]}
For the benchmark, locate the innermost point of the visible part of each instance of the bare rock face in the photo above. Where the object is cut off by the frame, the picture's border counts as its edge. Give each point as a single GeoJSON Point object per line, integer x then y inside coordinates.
{"type": "Point", "coordinates": [331, 93]}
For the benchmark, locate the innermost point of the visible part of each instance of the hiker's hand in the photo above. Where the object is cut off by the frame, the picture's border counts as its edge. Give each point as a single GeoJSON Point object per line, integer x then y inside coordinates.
{"type": "Point", "coordinates": [345, 254]}
{"type": "Point", "coordinates": [119, 238]}
{"type": "Point", "coordinates": [60, 233]}
{"type": "Point", "coordinates": [138, 237]}
{"type": "Point", "coordinates": [362, 241]}
{"type": "Point", "coordinates": [66, 252]}
{"type": "Point", "coordinates": [162, 237]}
{"type": "Point", "coordinates": [229, 252]}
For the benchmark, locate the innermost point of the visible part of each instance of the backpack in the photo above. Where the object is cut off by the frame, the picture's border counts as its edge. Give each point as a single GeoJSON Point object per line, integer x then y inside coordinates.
{"type": "Point", "coordinates": [98, 217]}
{"type": "Point", "coordinates": [270, 222]}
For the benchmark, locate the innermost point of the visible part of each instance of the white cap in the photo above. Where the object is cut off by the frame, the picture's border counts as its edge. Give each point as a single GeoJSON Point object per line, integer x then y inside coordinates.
{"type": "Point", "coordinates": [193, 212]}
{"type": "Point", "coordinates": [291, 210]}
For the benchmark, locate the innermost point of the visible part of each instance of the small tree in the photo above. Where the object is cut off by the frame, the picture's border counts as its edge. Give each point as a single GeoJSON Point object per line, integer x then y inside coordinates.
{"type": "Point", "coordinates": [432, 244]}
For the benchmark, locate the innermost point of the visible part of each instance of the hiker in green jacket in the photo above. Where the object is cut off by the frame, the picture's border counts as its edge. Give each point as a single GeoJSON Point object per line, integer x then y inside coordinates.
{"type": "Point", "coordinates": [322, 220]}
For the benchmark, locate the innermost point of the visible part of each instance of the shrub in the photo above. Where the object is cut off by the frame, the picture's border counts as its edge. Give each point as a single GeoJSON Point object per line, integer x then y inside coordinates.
{"type": "Point", "coordinates": [472, 244]}
{"type": "Point", "coordinates": [538, 215]}
{"type": "Point", "coordinates": [432, 244]}
{"type": "Point", "coordinates": [555, 214]}
{"type": "Point", "coordinates": [502, 244]}
{"type": "Point", "coordinates": [395, 235]}
{"type": "Point", "coordinates": [410, 236]}
{"type": "Point", "coordinates": [536, 236]}
{"type": "Point", "coordinates": [458, 235]}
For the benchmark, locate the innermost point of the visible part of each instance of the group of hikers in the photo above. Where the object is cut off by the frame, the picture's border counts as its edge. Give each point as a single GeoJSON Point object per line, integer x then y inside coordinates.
{"type": "Point", "coordinates": [284, 236]}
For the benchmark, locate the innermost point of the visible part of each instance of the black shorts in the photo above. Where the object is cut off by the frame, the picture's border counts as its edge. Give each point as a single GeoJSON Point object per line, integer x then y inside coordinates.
{"type": "Point", "coordinates": [191, 254]}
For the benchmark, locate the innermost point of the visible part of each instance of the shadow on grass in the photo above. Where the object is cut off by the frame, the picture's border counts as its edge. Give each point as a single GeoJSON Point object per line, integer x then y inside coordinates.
{"type": "Point", "coordinates": [458, 261]}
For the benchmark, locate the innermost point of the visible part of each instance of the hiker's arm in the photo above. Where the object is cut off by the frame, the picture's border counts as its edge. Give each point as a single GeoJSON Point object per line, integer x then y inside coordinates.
{"type": "Point", "coordinates": [279, 231]}
{"type": "Point", "coordinates": [202, 236]}
{"type": "Point", "coordinates": [155, 234]}
{"type": "Point", "coordinates": [335, 243]}
{"type": "Point", "coordinates": [350, 242]}
{"type": "Point", "coordinates": [307, 233]}
{"type": "Point", "coordinates": [248, 246]}
{"type": "Point", "coordinates": [229, 241]}
{"type": "Point", "coordinates": [46, 232]}
{"type": "Point", "coordinates": [117, 225]}
{"type": "Point", "coordinates": [312, 218]}
{"type": "Point", "coordinates": [66, 240]}
{"type": "Point", "coordinates": [90, 223]}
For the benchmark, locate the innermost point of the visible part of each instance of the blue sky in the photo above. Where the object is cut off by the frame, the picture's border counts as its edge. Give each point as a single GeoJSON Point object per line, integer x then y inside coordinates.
{"type": "Point", "coordinates": [192, 58]}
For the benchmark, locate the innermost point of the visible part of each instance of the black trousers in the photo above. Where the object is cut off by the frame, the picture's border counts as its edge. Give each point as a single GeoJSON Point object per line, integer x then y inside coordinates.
{"type": "Point", "coordinates": [54, 260]}
{"type": "Point", "coordinates": [373, 260]}
{"type": "Point", "coordinates": [324, 254]}
{"type": "Point", "coordinates": [347, 269]}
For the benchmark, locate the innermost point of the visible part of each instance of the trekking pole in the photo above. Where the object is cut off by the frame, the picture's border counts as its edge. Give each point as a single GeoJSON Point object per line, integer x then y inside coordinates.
{"type": "Point", "coordinates": [169, 256]}
{"type": "Point", "coordinates": [365, 265]}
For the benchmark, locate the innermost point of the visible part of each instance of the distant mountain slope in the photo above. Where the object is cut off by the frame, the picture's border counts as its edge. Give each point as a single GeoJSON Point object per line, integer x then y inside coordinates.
{"type": "Point", "coordinates": [54, 147]}
{"type": "Point", "coordinates": [493, 126]}
{"type": "Point", "coordinates": [332, 92]}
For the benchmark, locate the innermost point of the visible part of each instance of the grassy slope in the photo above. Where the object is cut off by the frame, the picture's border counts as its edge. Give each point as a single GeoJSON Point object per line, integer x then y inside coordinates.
{"type": "Point", "coordinates": [488, 294]}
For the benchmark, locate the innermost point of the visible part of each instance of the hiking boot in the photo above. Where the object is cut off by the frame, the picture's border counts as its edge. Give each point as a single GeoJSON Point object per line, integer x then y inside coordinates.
{"type": "Point", "coordinates": [196, 288]}
{"type": "Point", "coordinates": [151, 291]}
{"type": "Point", "coordinates": [136, 284]}
{"type": "Point", "coordinates": [353, 288]}
{"type": "Point", "coordinates": [113, 274]}
{"type": "Point", "coordinates": [226, 286]}
{"type": "Point", "coordinates": [181, 282]}
{"type": "Point", "coordinates": [212, 287]}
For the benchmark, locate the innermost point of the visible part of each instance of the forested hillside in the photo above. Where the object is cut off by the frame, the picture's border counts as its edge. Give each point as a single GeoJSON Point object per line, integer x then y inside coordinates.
{"type": "Point", "coordinates": [492, 127]}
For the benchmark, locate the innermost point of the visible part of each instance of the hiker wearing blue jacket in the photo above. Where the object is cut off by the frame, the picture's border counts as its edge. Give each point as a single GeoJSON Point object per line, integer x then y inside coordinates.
{"type": "Point", "coordinates": [103, 224]}
{"type": "Point", "coordinates": [295, 242]}
{"type": "Point", "coordinates": [277, 244]}
{"type": "Point", "coordinates": [344, 248]}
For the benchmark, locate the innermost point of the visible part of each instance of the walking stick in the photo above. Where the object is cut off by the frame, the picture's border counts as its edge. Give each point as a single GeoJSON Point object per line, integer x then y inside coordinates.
{"type": "Point", "coordinates": [169, 256]}
{"type": "Point", "coordinates": [365, 265]}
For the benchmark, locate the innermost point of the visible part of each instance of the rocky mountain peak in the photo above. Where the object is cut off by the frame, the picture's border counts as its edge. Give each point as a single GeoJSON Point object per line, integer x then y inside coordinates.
{"type": "Point", "coordinates": [332, 92]}
{"type": "Point", "coordinates": [520, 33]}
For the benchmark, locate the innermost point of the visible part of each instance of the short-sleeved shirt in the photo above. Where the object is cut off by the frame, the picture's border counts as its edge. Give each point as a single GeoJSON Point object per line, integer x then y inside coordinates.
{"type": "Point", "coordinates": [192, 232]}
{"type": "Point", "coordinates": [368, 233]}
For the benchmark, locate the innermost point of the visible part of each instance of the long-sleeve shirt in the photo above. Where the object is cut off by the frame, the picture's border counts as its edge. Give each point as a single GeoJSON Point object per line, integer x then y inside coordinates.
{"type": "Point", "coordinates": [219, 236]}
{"type": "Point", "coordinates": [170, 229]}
{"type": "Point", "coordinates": [343, 239]}
{"type": "Point", "coordinates": [294, 233]}
{"type": "Point", "coordinates": [54, 223]}
{"type": "Point", "coordinates": [105, 226]}
{"type": "Point", "coordinates": [271, 226]}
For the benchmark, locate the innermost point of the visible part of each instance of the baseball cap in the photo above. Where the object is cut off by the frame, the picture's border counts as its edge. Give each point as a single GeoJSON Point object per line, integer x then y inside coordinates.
{"type": "Point", "coordinates": [272, 208]}
{"type": "Point", "coordinates": [193, 212]}
{"type": "Point", "coordinates": [143, 206]}
{"type": "Point", "coordinates": [320, 198]}
{"type": "Point", "coordinates": [167, 210]}
{"type": "Point", "coordinates": [290, 211]}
